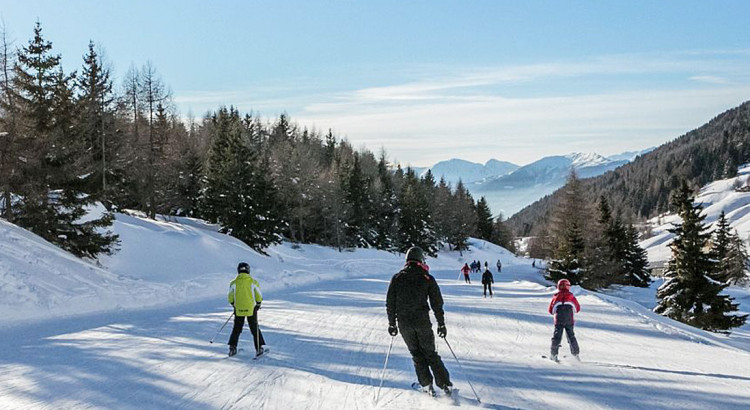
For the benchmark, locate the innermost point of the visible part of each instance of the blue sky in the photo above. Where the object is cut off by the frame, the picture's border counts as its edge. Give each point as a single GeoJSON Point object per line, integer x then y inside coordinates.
{"type": "Point", "coordinates": [430, 80]}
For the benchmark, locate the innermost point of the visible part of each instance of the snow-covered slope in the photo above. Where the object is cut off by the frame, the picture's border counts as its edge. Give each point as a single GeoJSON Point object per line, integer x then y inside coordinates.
{"type": "Point", "coordinates": [159, 263]}
{"type": "Point", "coordinates": [38, 280]}
{"type": "Point", "coordinates": [328, 342]}
{"type": "Point", "coordinates": [715, 197]}
{"type": "Point", "coordinates": [323, 317]}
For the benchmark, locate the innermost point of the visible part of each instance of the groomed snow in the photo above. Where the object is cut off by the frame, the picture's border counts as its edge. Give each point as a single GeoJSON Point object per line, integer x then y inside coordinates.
{"type": "Point", "coordinates": [324, 319]}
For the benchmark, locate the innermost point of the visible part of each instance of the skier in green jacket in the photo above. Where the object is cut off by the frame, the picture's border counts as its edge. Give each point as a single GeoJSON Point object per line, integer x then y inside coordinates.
{"type": "Point", "coordinates": [244, 295]}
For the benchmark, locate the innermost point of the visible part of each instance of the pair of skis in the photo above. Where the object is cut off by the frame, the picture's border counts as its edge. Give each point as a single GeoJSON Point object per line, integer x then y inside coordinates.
{"type": "Point", "coordinates": [557, 359]}
{"type": "Point", "coordinates": [453, 396]}
{"type": "Point", "coordinates": [262, 354]}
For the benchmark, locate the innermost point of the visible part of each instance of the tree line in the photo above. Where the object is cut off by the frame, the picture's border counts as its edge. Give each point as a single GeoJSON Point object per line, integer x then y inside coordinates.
{"type": "Point", "coordinates": [595, 248]}
{"type": "Point", "coordinates": [70, 142]}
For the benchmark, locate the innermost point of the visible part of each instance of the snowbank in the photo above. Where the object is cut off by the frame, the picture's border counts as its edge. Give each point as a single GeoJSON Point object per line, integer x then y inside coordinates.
{"type": "Point", "coordinates": [179, 260]}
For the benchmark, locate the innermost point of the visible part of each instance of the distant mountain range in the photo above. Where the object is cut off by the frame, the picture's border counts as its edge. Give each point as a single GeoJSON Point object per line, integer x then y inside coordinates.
{"type": "Point", "coordinates": [508, 187]}
{"type": "Point", "coordinates": [641, 189]}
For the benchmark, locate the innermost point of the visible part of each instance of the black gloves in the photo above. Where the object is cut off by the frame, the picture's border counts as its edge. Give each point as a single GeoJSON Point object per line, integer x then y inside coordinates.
{"type": "Point", "coordinates": [442, 331]}
{"type": "Point", "coordinates": [257, 306]}
{"type": "Point", "coordinates": [392, 330]}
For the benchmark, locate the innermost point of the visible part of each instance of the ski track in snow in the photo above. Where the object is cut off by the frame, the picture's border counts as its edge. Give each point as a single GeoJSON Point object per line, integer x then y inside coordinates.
{"type": "Point", "coordinates": [328, 341]}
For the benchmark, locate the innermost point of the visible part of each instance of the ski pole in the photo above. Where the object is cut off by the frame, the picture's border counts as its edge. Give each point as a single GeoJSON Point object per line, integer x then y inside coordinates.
{"type": "Point", "coordinates": [382, 375]}
{"type": "Point", "coordinates": [222, 328]}
{"type": "Point", "coordinates": [462, 370]}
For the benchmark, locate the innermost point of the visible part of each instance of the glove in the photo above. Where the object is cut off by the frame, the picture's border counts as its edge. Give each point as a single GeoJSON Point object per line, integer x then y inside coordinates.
{"type": "Point", "coordinates": [257, 306]}
{"type": "Point", "coordinates": [442, 331]}
{"type": "Point", "coordinates": [392, 330]}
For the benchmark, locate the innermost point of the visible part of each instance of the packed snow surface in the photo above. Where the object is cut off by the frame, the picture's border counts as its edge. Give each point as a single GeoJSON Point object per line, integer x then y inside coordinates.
{"type": "Point", "coordinates": [153, 307]}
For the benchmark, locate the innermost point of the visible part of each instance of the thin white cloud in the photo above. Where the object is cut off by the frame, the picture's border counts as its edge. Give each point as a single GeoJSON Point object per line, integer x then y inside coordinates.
{"type": "Point", "coordinates": [711, 79]}
{"type": "Point", "coordinates": [626, 102]}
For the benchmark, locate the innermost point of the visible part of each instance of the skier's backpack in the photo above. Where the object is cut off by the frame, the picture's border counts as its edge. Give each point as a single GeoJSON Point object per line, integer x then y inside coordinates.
{"type": "Point", "coordinates": [564, 315]}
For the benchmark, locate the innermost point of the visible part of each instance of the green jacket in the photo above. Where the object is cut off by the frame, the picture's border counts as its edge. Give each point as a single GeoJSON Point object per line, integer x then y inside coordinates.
{"type": "Point", "coordinates": [244, 294]}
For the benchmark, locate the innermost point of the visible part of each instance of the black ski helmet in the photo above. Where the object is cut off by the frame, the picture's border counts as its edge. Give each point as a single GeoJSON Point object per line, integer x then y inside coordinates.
{"type": "Point", "coordinates": [243, 267]}
{"type": "Point", "coordinates": [415, 253]}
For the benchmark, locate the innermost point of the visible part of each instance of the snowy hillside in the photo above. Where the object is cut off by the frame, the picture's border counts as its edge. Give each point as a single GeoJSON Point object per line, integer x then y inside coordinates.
{"type": "Point", "coordinates": [324, 320]}
{"type": "Point", "coordinates": [716, 197]}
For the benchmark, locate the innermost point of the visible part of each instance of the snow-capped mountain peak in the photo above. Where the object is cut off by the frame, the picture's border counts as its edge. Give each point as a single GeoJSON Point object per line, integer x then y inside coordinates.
{"type": "Point", "coordinates": [587, 159]}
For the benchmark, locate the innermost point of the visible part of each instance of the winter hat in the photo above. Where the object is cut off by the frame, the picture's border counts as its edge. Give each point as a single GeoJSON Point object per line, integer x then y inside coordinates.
{"type": "Point", "coordinates": [415, 253]}
{"type": "Point", "coordinates": [243, 267]}
{"type": "Point", "coordinates": [563, 284]}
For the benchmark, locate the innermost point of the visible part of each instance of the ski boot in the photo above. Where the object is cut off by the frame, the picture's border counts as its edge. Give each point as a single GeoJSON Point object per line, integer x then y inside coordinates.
{"type": "Point", "coordinates": [429, 390]}
{"type": "Point", "coordinates": [260, 351]}
{"type": "Point", "coordinates": [448, 390]}
{"type": "Point", "coordinates": [232, 350]}
{"type": "Point", "coordinates": [554, 358]}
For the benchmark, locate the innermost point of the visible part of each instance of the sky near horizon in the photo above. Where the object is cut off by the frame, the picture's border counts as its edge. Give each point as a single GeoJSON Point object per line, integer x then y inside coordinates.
{"type": "Point", "coordinates": [429, 80]}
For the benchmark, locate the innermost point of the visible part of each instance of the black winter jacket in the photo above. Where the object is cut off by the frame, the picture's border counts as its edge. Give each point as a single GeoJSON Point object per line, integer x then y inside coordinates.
{"type": "Point", "coordinates": [487, 277]}
{"type": "Point", "coordinates": [408, 293]}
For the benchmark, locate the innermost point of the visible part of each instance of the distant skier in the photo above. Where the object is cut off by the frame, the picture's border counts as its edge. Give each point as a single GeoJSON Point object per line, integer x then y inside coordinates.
{"type": "Point", "coordinates": [487, 281]}
{"type": "Point", "coordinates": [564, 305]}
{"type": "Point", "coordinates": [499, 266]}
{"type": "Point", "coordinates": [244, 295]}
{"type": "Point", "coordinates": [465, 270]}
{"type": "Point", "coordinates": [406, 305]}
{"type": "Point", "coordinates": [533, 263]}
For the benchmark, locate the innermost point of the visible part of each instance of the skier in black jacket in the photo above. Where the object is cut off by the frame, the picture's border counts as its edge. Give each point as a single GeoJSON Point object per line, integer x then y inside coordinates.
{"type": "Point", "coordinates": [406, 304]}
{"type": "Point", "coordinates": [487, 281]}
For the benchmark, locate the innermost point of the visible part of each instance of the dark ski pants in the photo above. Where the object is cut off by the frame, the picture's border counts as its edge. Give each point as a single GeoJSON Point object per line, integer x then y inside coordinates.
{"type": "Point", "coordinates": [421, 344]}
{"type": "Point", "coordinates": [466, 279]}
{"type": "Point", "coordinates": [487, 286]}
{"type": "Point", "coordinates": [252, 321]}
{"type": "Point", "coordinates": [557, 338]}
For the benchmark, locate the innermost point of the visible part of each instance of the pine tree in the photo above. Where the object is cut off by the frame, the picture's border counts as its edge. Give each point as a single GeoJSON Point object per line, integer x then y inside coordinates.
{"type": "Point", "coordinates": [13, 146]}
{"type": "Point", "coordinates": [484, 220]}
{"type": "Point", "coordinates": [689, 294]}
{"type": "Point", "coordinates": [602, 262]}
{"type": "Point", "coordinates": [463, 218]}
{"type": "Point", "coordinates": [356, 195]}
{"type": "Point", "coordinates": [440, 209]}
{"type": "Point", "coordinates": [720, 244]}
{"type": "Point", "coordinates": [729, 252]}
{"type": "Point", "coordinates": [54, 201]}
{"type": "Point", "coordinates": [735, 265]}
{"type": "Point", "coordinates": [415, 223]}
{"type": "Point", "coordinates": [237, 194]}
{"type": "Point", "coordinates": [502, 235]}
{"type": "Point", "coordinates": [635, 271]}
{"type": "Point", "coordinates": [385, 207]}
{"type": "Point", "coordinates": [96, 123]}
